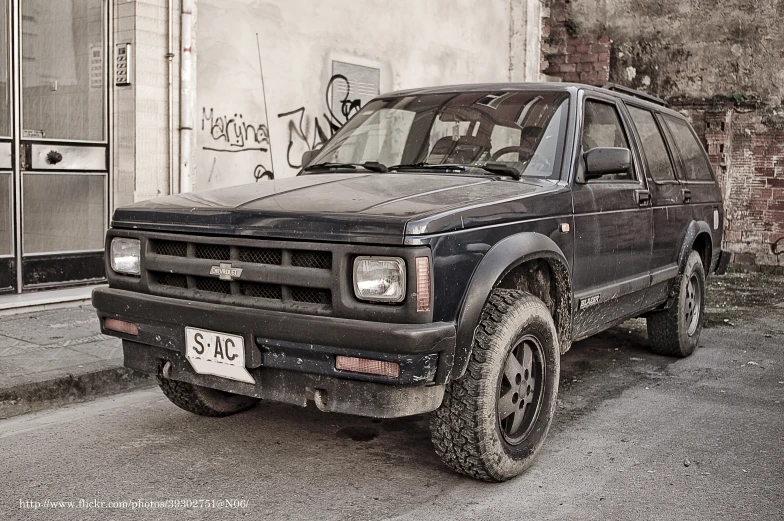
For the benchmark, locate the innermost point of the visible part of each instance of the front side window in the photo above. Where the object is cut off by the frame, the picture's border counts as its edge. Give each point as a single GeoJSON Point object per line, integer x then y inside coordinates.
{"type": "Point", "coordinates": [518, 129]}
{"type": "Point", "coordinates": [602, 128]}
{"type": "Point", "coordinates": [695, 164]}
{"type": "Point", "coordinates": [653, 145]}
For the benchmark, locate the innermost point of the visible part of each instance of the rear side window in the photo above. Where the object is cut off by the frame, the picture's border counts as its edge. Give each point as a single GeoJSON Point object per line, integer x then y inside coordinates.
{"type": "Point", "coordinates": [695, 164]}
{"type": "Point", "coordinates": [602, 128]}
{"type": "Point", "coordinates": [653, 145]}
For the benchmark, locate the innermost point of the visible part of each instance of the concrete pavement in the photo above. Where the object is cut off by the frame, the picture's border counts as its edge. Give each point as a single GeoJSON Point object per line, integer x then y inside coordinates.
{"type": "Point", "coordinates": [636, 436]}
{"type": "Point", "coordinates": [58, 356]}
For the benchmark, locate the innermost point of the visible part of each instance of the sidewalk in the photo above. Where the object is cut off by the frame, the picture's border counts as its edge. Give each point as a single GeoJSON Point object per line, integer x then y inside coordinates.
{"type": "Point", "coordinates": [57, 356]}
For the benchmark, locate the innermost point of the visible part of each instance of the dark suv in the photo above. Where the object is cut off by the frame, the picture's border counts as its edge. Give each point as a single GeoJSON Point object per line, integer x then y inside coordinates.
{"type": "Point", "coordinates": [439, 253]}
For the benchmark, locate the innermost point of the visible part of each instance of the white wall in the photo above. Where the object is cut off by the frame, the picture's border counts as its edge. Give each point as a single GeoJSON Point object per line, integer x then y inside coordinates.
{"type": "Point", "coordinates": [412, 42]}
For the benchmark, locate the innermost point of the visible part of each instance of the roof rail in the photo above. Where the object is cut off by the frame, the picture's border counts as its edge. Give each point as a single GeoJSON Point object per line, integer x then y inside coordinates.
{"type": "Point", "coordinates": [636, 93]}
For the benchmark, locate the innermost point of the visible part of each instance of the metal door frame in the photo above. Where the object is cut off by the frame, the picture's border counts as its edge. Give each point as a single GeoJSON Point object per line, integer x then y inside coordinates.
{"type": "Point", "coordinates": [15, 76]}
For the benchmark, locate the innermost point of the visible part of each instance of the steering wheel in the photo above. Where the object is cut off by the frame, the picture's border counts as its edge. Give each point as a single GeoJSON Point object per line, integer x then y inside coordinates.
{"type": "Point", "coordinates": [508, 150]}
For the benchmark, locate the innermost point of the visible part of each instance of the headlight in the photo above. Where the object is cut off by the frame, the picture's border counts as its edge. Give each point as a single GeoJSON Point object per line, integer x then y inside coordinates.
{"type": "Point", "coordinates": [380, 279]}
{"type": "Point", "coordinates": [125, 256]}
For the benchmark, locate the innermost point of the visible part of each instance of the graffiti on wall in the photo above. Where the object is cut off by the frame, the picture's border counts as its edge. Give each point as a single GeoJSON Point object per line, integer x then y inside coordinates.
{"type": "Point", "coordinates": [233, 134]}
{"type": "Point", "coordinates": [239, 137]}
{"type": "Point", "coordinates": [309, 132]}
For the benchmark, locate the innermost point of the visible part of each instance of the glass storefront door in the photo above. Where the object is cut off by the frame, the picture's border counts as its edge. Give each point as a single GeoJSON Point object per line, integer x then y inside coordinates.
{"type": "Point", "coordinates": [56, 185]}
{"type": "Point", "coordinates": [7, 220]}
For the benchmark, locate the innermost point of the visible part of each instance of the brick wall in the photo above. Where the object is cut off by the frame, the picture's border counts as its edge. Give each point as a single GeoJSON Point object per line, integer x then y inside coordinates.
{"type": "Point", "coordinates": [745, 143]}
{"type": "Point", "coordinates": [593, 42]}
{"type": "Point", "coordinates": [569, 55]}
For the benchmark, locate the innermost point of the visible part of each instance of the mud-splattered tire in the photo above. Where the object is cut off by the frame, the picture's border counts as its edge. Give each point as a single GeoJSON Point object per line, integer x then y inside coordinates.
{"type": "Point", "coordinates": [515, 359]}
{"type": "Point", "coordinates": [203, 400]}
{"type": "Point", "coordinates": [676, 331]}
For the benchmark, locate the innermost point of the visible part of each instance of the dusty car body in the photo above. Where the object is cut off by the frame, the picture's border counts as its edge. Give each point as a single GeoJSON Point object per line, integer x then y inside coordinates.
{"type": "Point", "coordinates": [608, 212]}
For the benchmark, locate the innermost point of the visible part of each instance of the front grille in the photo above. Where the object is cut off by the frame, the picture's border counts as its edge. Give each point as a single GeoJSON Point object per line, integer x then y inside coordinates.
{"type": "Point", "coordinates": [260, 255]}
{"type": "Point", "coordinates": [265, 281]}
{"type": "Point", "coordinates": [172, 248]}
{"type": "Point", "coordinates": [312, 259]}
{"type": "Point", "coordinates": [208, 251]}
{"type": "Point", "coordinates": [212, 285]}
{"type": "Point", "coordinates": [261, 290]}
{"type": "Point", "coordinates": [311, 296]}
{"type": "Point", "coordinates": [171, 279]}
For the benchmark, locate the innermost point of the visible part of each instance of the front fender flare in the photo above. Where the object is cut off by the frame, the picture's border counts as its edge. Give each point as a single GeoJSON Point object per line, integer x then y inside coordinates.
{"type": "Point", "coordinates": [503, 257]}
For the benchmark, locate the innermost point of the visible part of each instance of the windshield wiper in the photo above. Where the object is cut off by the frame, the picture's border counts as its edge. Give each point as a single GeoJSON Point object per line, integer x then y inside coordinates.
{"type": "Point", "coordinates": [428, 166]}
{"type": "Point", "coordinates": [373, 166]}
{"type": "Point", "coordinates": [501, 169]}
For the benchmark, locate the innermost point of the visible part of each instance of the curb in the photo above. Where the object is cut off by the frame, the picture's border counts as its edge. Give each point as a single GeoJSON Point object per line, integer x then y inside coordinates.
{"type": "Point", "coordinates": [36, 396]}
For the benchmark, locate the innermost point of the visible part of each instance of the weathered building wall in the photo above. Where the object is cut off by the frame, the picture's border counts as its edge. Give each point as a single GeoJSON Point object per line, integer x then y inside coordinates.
{"type": "Point", "coordinates": [322, 61]}
{"type": "Point", "coordinates": [718, 61]}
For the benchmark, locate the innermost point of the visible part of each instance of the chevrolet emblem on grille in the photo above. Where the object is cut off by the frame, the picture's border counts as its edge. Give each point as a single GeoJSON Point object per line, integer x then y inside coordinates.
{"type": "Point", "coordinates": [225, 271]}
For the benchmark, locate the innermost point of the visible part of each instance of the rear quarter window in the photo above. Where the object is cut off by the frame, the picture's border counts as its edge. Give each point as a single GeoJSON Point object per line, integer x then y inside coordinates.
{"type": "Point", "coordinates": [695, 163]}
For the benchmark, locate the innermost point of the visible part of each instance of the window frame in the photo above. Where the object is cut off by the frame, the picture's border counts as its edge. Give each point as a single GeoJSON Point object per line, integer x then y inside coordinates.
{"type": "Point", "coordinates": [682, 172]}
{"type": "Point", "coordinates": [636, 179]}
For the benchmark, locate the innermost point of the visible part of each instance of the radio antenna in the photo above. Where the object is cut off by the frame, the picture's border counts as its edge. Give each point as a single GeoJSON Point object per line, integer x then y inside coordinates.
{"type": "Point", "coordinates": [266, 112]}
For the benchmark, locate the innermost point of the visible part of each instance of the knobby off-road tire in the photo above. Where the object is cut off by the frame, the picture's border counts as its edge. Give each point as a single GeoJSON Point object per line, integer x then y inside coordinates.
{"type": "Point", "coordinates": [203, 400]}
{"type": "Point", "coordinates": [514, 363]}
{"type": "Point", "coordinates": [676, 331]}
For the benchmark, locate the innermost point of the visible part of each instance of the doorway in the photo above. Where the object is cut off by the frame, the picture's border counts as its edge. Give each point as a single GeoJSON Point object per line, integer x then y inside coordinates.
{"type": "Point", "coordinates": [54, 154]}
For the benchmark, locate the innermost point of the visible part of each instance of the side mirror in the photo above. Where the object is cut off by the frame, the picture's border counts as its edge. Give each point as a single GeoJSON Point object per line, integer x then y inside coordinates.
{"type": "Point", "coordinates": [308, 156]}
{"type": "Point", "coordinates": [601, 161]}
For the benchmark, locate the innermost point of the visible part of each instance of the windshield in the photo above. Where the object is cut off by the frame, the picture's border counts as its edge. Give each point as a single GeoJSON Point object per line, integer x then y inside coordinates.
{"type": "Point", "coordinates": [522, 130]}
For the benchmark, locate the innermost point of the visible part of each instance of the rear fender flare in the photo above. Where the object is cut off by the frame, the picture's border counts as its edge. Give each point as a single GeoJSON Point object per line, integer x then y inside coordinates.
{"type": "Point", "coordinates": [692, 231]}
{"type": "Point", "coordinates": [502, 258]}
{"type": "Point", "coordinates": [687, 244]}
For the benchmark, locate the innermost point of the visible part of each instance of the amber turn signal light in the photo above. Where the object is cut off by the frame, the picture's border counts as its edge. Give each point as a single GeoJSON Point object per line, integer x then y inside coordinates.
{"type": "Point", "coordinates": [121, 326]}
{"type": "Point", "coordinates": [367, 366]}
{"type": "Point", "coordinates": [423, 283]}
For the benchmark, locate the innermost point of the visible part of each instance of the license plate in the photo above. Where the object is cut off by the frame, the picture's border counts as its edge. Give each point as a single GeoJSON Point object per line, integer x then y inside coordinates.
{"type": "Point", "coordinates": [217, 354]}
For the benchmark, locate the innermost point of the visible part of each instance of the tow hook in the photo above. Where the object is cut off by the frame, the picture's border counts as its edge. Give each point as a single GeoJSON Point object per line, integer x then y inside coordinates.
{"type": "Point", "coordinates": [166, 371]}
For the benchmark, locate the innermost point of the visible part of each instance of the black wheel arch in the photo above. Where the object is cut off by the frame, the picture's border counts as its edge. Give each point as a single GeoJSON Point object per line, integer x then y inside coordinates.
{"type": "Point", "coordinates": [697, 235]}
{"type": "Point", "coordinates": [502, 259]}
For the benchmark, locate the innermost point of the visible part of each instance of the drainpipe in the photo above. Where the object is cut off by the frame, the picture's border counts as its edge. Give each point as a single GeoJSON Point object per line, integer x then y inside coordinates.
{"type": "Point", "coordinates": [170, 70]}
{"type": "Point", "coordinates": [186, 95]}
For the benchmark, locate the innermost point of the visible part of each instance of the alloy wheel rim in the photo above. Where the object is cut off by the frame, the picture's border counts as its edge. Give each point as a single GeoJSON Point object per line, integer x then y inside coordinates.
{"type": "Point", "coordinates": [693, 304]}
{"type": "Point", "coordinates": [520, 390]}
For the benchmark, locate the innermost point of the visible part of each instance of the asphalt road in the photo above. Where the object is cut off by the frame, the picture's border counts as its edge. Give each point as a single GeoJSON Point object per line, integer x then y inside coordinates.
{"type": "Point", "coordinates": [637, 436]}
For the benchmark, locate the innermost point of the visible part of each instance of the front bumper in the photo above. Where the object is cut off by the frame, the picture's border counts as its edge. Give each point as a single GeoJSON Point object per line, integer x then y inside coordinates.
{"type": "Point", "coordinates": [291, 356]}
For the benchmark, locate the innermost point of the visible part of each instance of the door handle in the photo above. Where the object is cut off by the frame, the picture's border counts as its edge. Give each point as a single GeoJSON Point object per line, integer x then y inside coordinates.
{"type": "Point", "coordinates": [686, 195]}
{"type": "Point", "coordinates": [643, 197]}
{"type": "Point", "coordinates": [25, 156]}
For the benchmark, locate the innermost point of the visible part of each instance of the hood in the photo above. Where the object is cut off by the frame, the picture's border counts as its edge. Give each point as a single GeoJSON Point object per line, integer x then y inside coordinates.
{"type": "Point", "coordinates": [334, 207]}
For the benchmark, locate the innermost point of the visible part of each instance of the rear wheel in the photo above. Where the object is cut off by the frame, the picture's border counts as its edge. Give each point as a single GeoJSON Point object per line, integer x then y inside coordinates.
{"type": "Point", "coordinates": [203, 400]}
{"type": "Point", "coordinates": [494, 419]}
{"type": "Point", "coordinates": [676, 331]}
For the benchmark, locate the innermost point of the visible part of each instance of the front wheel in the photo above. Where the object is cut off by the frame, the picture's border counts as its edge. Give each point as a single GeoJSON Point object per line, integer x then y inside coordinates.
{"type": "Point", "coordinates": [203, 400]}
{"type": "Point", "coordinates": [676, 331]}
{"type": "Point", "coordinates": [495, 418]}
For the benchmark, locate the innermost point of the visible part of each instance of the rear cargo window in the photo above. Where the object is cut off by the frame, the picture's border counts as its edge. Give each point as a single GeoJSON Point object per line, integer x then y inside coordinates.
{"type": "Point", "coordinates": [695, 164]}
{"type": "Point", "coordinates": [653, 145]}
